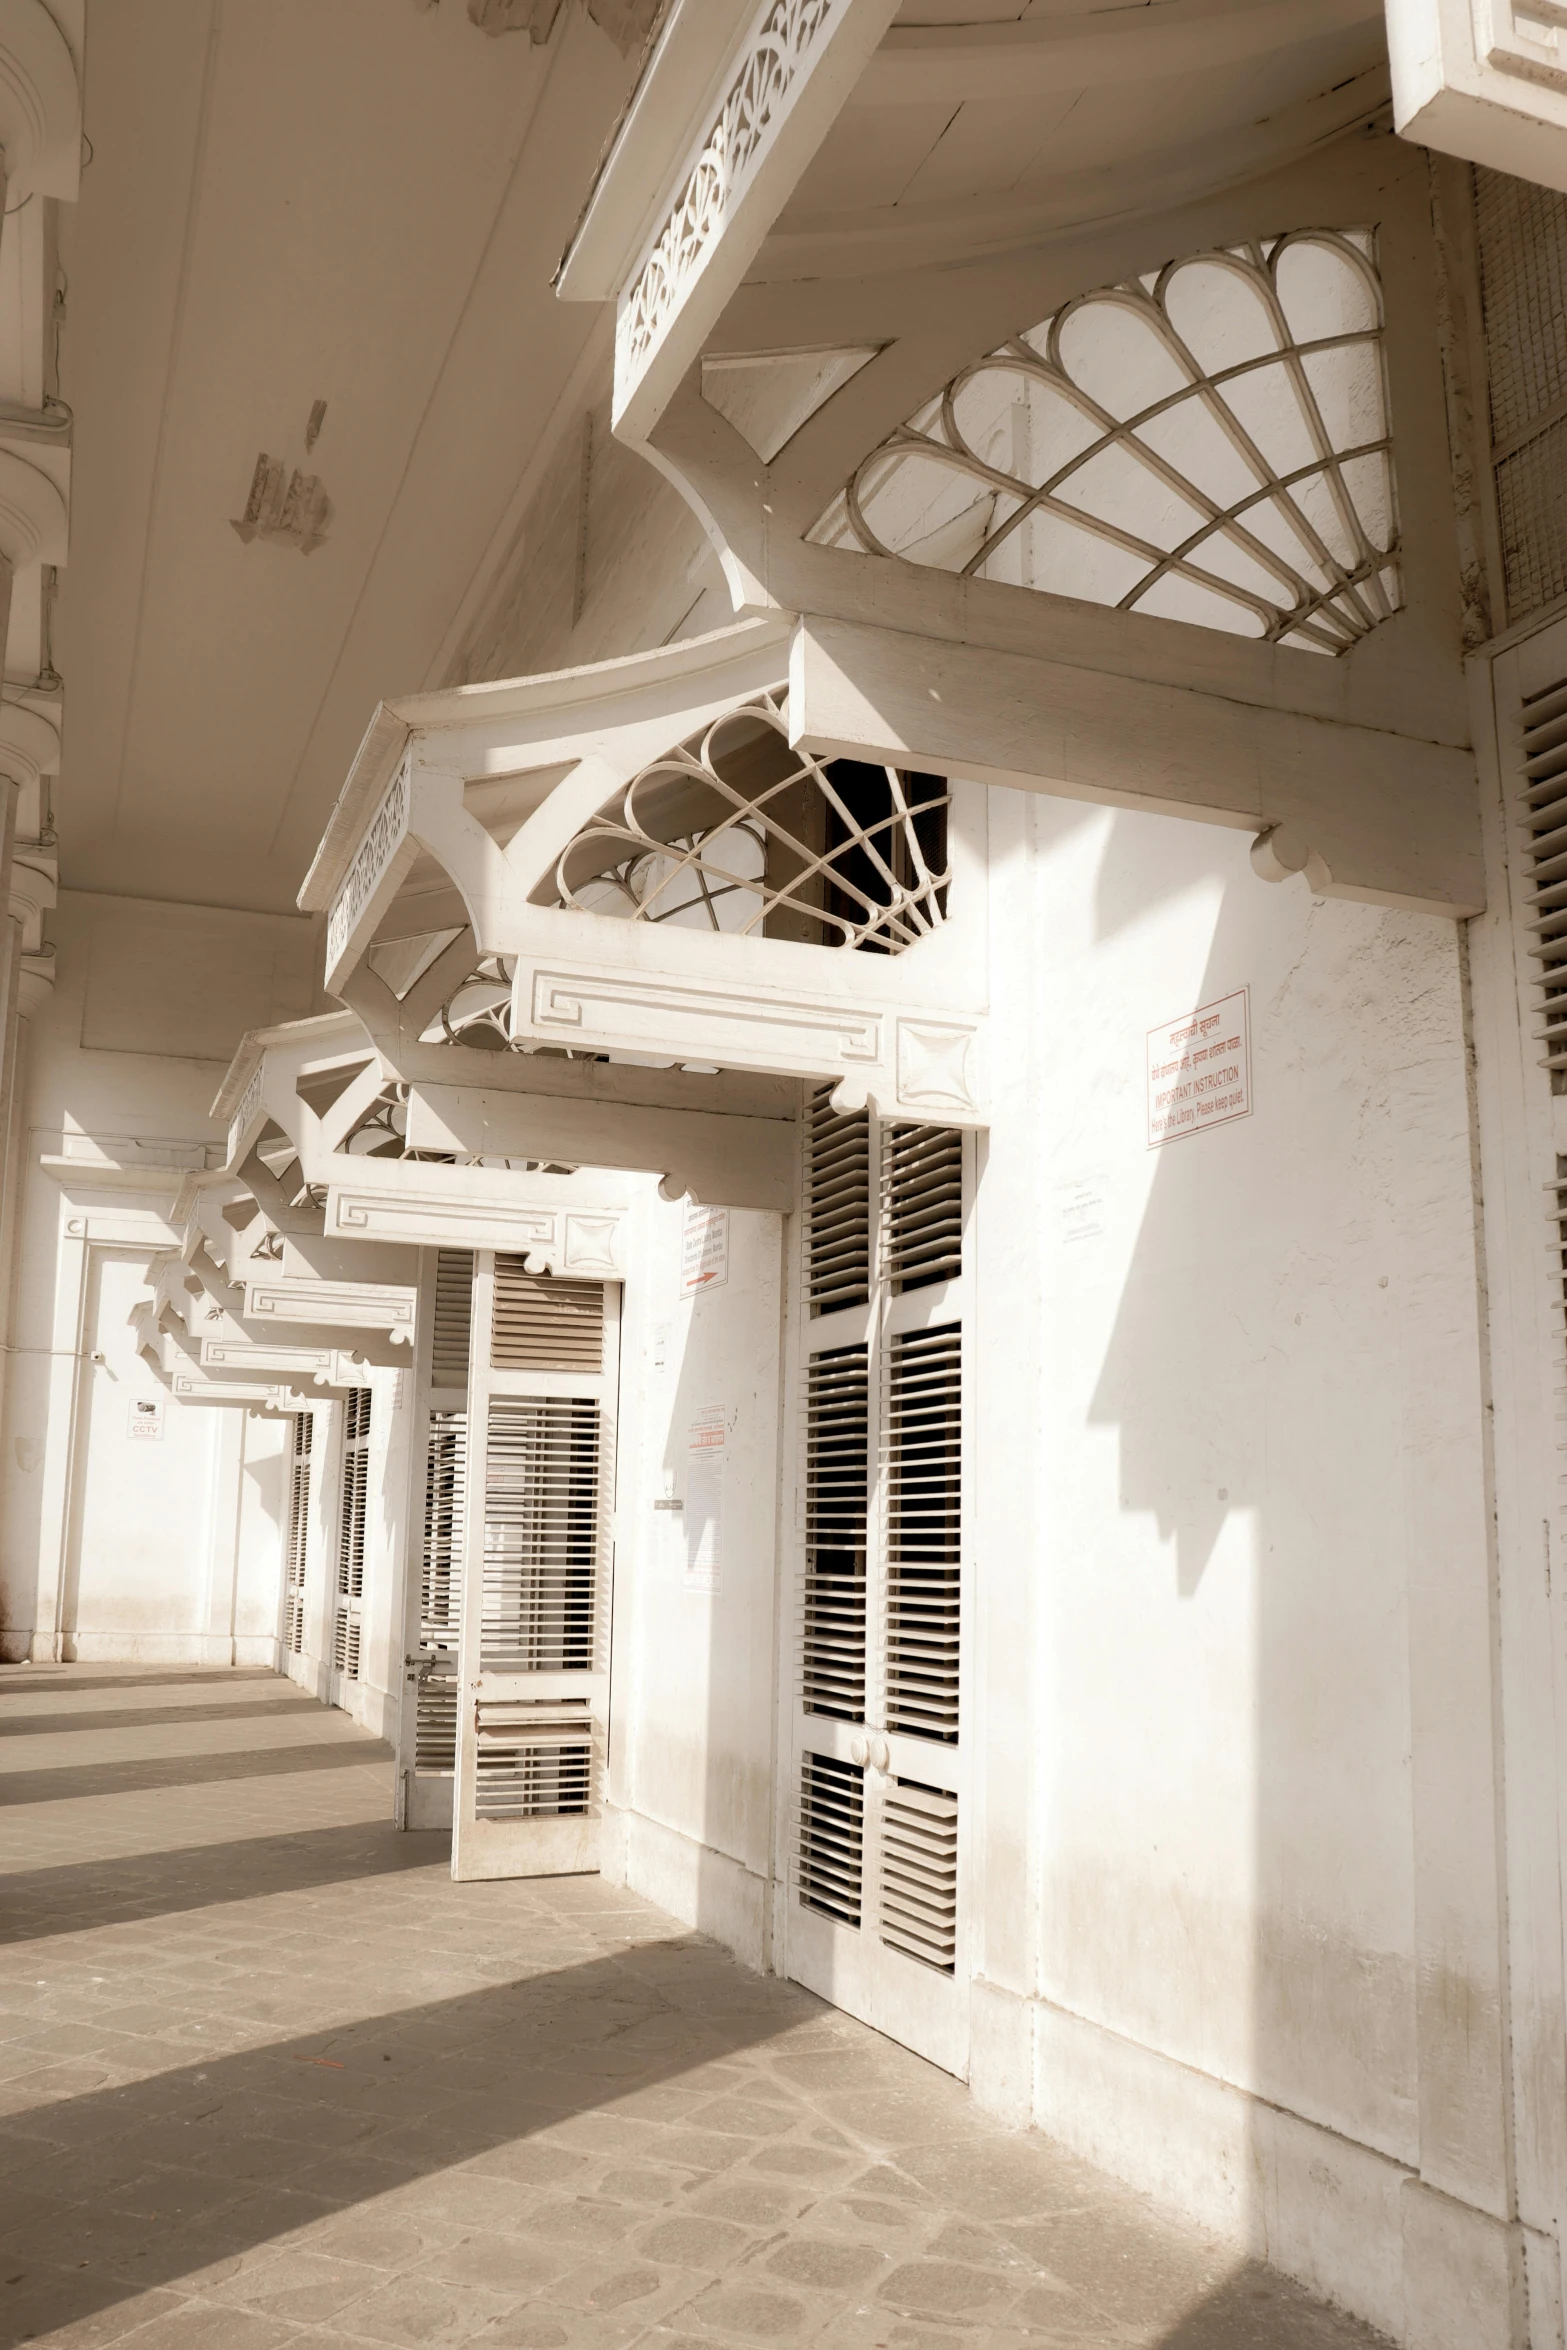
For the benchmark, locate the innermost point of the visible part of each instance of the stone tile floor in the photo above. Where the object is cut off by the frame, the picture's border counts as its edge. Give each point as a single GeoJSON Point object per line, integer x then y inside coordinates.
{"type": "Point", "coordinates": [268, 2077]}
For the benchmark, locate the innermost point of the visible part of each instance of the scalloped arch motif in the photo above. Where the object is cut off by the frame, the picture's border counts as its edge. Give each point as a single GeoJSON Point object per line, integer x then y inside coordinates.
{"type": "Point", "coordinates": [1208, 443]}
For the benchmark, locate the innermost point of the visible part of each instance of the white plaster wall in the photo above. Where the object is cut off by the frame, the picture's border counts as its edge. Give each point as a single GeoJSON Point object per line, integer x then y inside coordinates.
{"type": "Point", "coordinates": [1232, 1491]}
{"type": "Point", "coordinates": [692, 1692]}
{"type": "Point", "coordinates": [153, 1551]}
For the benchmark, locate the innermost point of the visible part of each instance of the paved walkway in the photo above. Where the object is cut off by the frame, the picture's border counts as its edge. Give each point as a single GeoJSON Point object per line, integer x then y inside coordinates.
{"type": "Point", "coordinates": [268, 2077]}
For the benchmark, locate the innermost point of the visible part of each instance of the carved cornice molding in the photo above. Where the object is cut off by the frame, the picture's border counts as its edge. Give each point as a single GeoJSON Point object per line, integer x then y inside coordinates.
{"type": "Point", "coordinates": [33, 522]}
{"type": "Point", "coordinates": [40, 104]}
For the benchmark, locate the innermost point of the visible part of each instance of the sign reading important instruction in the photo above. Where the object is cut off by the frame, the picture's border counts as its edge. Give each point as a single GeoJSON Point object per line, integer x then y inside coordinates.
{"type": "Point", "coordinates": [144, 1418]}
{"type": "Point", "coordinates": [707, 1459]}
{"type": "Point", "coordinates": [704, 1253]}
{"type": "Point", "coordinates": [1199, 1070]}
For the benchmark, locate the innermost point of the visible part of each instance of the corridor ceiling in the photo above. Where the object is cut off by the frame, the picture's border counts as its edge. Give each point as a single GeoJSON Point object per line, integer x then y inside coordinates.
{"type": "Point", "coordinates": [361, 203]}
{"type": "Point", "coordinates": [355, 202]}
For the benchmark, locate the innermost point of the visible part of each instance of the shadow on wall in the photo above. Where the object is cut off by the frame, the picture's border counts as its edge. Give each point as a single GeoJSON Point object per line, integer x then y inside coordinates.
{"type": "Point", "coordinates": [1291, 1375]}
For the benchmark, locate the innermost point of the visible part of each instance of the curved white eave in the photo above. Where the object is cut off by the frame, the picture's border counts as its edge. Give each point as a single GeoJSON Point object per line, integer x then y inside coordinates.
{"type": "Point", "coordinates": [597, 688]}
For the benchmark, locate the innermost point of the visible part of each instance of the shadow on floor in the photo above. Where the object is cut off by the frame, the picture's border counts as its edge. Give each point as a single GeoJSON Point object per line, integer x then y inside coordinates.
{"type": "Point", "coordinates": [79, 1896]}
{"type": "Point", "coordinates": [150, 1717]}
{"type": "Point", "coordinates": [1257, 2309]}
{"type": "Point", "coordinates": [72, 1782]}
{"type": "Point", "coordinates": [17, 1679]}
{"type": "Point", "coordinates": [135, 2187]}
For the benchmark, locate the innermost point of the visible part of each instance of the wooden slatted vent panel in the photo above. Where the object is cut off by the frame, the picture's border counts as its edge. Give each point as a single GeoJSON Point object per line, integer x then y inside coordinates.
{"type": "Point", "coordinates": [351, 1531]}
{"type": "Point", "coordinates": [919, 1873]}
{"type": "Point", "coordinates": [440, 1593]}
{"type": "Point", "coordinates": [922, 1205]}
{"type": "Point", "coordinates": [924, 1486]}
{"type": "Point", "coordinates": [452, 1319]}
{"type": "Point", "coordinates": [837, 1494]}
{"type": "Point", "coordinates": [543, 1510]}
{"type": "Point", "coordinates": [535, 1759]}
{"type": "Point", "coordinates": [837, 1207]}
{"type": "Point", "coordinates": [296, 1548]}
{"type": "Point", "coordinates": [542, 1324]}
{"type": "Point", "coordinates": [830, 1853]}
{"type": "Point", "coordinates": [1545, 819]}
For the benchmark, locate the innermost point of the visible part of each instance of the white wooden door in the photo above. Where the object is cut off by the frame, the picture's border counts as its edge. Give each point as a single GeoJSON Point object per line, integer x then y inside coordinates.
{"type": "Point", "coordinates": [352, 1507]}
{"type": "Point", "coordinates": [532, 1719]}
{"type": "Point", "coordinates": [876, 1870]}
{"type": "Point", "coordinates": [427, 1756]}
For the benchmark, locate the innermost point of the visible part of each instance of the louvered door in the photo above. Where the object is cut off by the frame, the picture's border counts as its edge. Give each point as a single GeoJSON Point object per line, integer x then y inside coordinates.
{"type": "Point", "coordinates": [428, 1757]}
{"type": "Point", "coordinates": [296, 1537]}
{"type": "Point", "coordinates": [539, 1465]}
{"type": "Point", "coordinates": [353, 1505]}
{"type": "Point", "coordinates": [876, 1874]}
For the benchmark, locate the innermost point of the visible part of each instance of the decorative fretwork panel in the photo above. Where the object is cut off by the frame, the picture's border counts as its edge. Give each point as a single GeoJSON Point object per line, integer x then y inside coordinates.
{"type": "Point", "coordinates": [1209, 443]}
{"type": "Point", "coordinates": [736, 831]}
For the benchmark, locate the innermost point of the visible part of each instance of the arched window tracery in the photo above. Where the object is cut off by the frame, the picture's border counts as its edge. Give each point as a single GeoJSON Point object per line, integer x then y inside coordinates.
{"type": "Point", "coordinates": [1208, 443]}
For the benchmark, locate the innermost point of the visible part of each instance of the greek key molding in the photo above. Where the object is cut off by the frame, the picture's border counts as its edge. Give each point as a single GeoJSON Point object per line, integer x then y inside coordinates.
{"type": "Point", "coordinates": [785, 35]}
{"type": "Point", "coordinates": [347, 1305]}
{"type": "Point", "coordinates": [383, 837]}
{"type": "Point", "coordinates": [643, 1010]}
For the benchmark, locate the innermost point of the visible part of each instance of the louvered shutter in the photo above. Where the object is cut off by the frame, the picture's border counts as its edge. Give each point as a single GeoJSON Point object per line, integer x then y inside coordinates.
{"type": "Point", "coordinates": [297, 1532]}
{"type": "Point", "coordinates": [531, 1730]}
{"type": "Point", "coordinates": [876, 1921]}
{"type": "Point", "coordinates": [353, 1506]}
{"type": "Point", "coordinates": [428, 1734]}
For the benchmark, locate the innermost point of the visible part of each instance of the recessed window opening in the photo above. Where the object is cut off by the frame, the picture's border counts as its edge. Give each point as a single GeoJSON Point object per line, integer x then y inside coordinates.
{"type": "Point", "coordinates": [1207, 443]}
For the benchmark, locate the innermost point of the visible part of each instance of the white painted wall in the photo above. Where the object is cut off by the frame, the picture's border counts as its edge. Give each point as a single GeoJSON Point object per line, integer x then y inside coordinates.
{"type": "Point", "coordinates": [1239, 1924]}
{"type": "Point", "coordinates": [113, 1548]}
{"type": "Point", "coordinates": [692, 1693]}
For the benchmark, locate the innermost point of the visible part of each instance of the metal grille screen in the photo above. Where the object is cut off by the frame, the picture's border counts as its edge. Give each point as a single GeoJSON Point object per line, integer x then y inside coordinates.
{"type": "Point", "coordinates": [541, 1535]}
{"type": "Point", "coordinates": [1522, 233]}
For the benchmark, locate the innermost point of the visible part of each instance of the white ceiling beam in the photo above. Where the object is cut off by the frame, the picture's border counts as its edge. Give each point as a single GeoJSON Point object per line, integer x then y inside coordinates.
{"type": "Point", "coordinates": [1381, 817]}
{"type": "Point", "coordinates": [1483, 79]}
{"type": "Point", "coordinates": [1039, 57]}
{"type": "Point", "coordinates": [745, 136]}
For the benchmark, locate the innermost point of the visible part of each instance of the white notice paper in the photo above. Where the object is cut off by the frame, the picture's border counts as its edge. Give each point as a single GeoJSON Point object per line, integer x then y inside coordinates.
{"type": "Point", "coordinates": [1199, 1070]}
{"type": "Point", "coordinates": [707, 1454]}
{"type": "Point", "coordinates": [704, 1253]}
{"type": "Point", "coordinates": [144, 1418]}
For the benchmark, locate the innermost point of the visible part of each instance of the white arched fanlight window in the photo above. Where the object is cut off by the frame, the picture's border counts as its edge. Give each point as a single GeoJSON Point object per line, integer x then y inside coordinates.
{"type": "Point", "coordinates": [1208, 443]}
